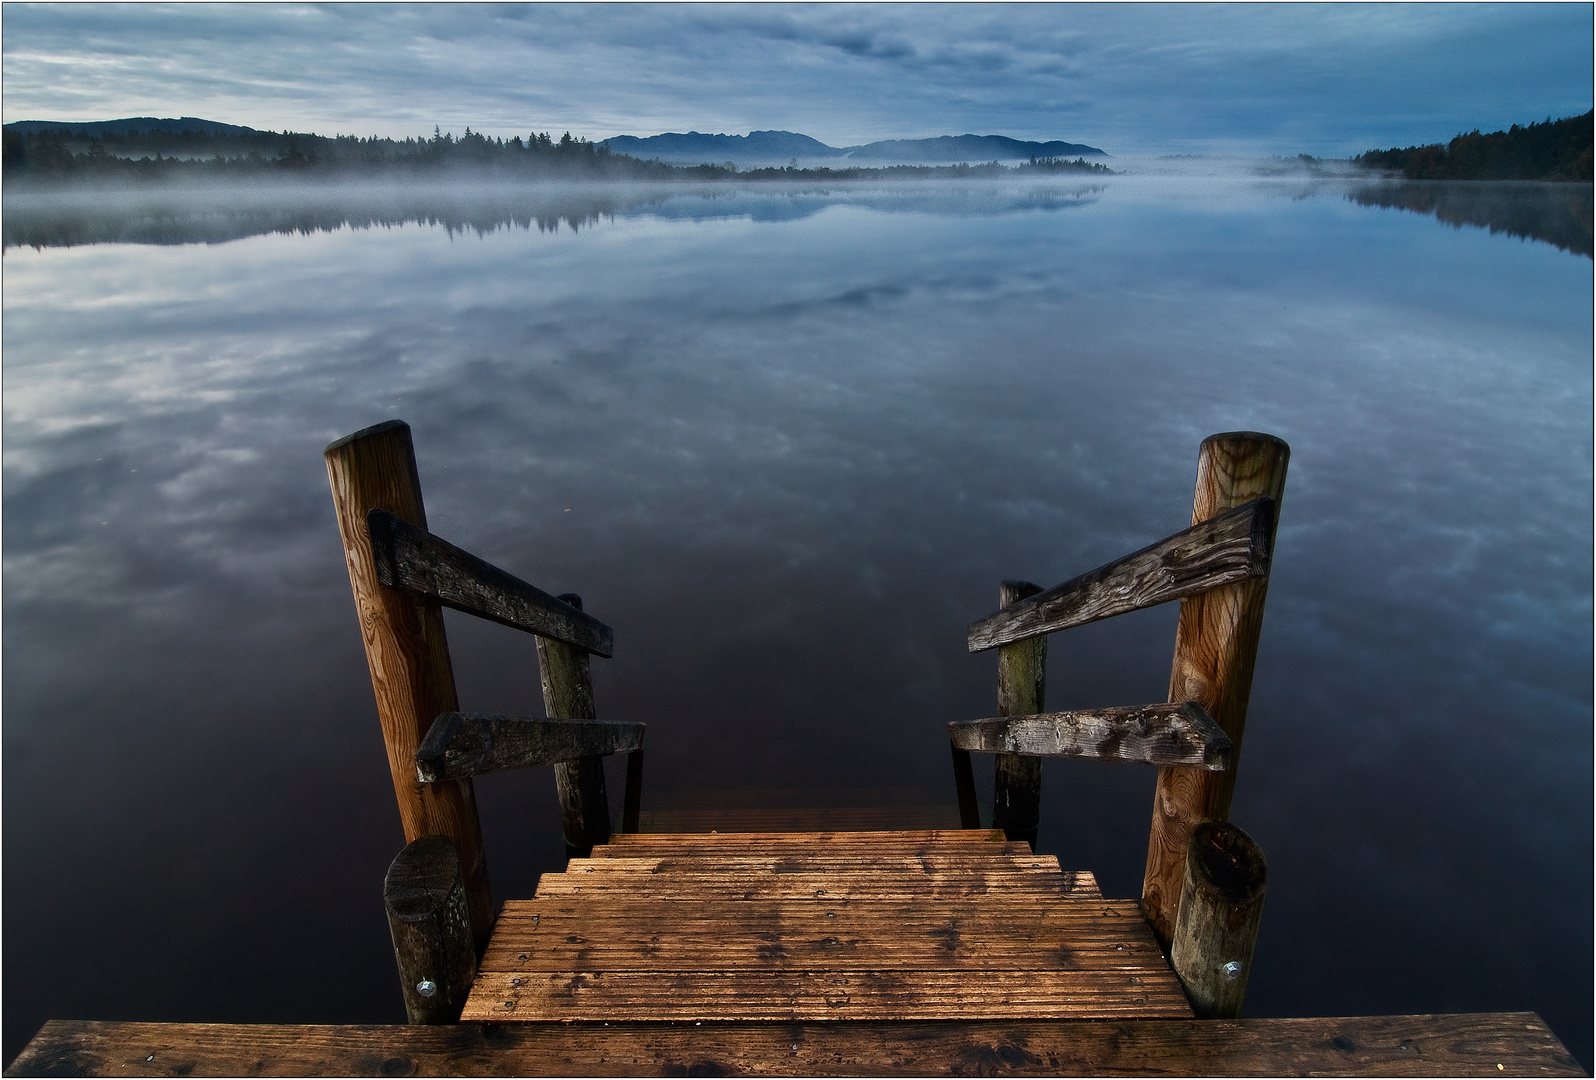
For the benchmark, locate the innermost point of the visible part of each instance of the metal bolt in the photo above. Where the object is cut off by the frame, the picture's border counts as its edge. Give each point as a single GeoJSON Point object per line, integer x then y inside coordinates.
{"type": "Point", "coordinates": [426, 988]}
{"type": "Point", "coordinates": [1231, 970]}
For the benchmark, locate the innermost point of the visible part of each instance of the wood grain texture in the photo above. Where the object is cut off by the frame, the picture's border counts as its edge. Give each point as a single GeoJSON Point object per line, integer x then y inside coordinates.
{"type": "Point", "coordinates": [411, 558]}
{"type": "Point", "coordinates": [1216, 644]}
{"type": "Point", "coordinates": [809, 995]}
{"type": "Point", "coordinates": [406, 650]}
{"type": "Point", "coordinates": [431, 929]}
{"type": "Point", "coordinates": [913, 865]}
{"type": "Point", "coordinates": [1022, 686]}
{"type": "Point", "coordinates": [469, 744]}
{"type": "Point", "coordinates": [1164, 734]}
{"type": "Point", "coordinates": [1477, 1044]}
{"type": "Point", "coordinates": [1230, 546]}
{"type": "Point", "coordinates": [1084, 902]}
{"type": "Point", "coordinates": [1221, 903]}
{"type": "Point", "coordinates": [853, 941]}
{"type": "Point", "coordinates": [835, 888]}
{"type": "Point", "coordinates": [632, 851]}
{"type": "Point", "coordinates": [568, 695]}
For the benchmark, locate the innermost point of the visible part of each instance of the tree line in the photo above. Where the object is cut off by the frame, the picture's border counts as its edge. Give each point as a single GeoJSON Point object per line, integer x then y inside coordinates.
{"type": "Point", "coordinates": [1550, 150]}
{"type": "Point", "coordinates": [49, 156]}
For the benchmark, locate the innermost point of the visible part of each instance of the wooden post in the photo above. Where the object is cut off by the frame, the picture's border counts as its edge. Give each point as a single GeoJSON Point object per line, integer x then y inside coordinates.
{"type": "Point", "coordinates": [1221, 903]}
{"type": "Point", "coordinates": [427, 916]}
{"type": "Point", "coordinates": [1022, 673]}
{"type": "Point", "coordinates": [632, 800]}
{"type": "Point", "coordinates": [568, 695]}
{"type": "Point", "coordinates": [405, 650]}
{"type": "Point", "coordinates": [964, 784]}
{"type": "Point", "coordinates": [1215, 646]}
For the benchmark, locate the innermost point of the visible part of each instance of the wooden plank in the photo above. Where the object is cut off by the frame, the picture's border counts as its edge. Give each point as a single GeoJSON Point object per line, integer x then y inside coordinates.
{"type": "Point", "coordinates": [834, 887]}
{"type": "Point", "coordinates": [1216, 644]}
{"type": "Point", "coordinates": [1232, 546]}
{"type": "Point", "coordinates": [1478, 1044]}
{"type": "Point", "coordinates": [407, 651]}
{"type": "Point", "coordinates": [409, 557]}
{"type": "Point", "coordinates": [804, 995]}
{"type": "Point", "coordinates": [849, 943]}
{"type": "Point", "coordinates": [913, 864]}
{"type": "Point", "coordinates": [1163, 734]}
{"type": "Point", "coordinates": [463, 744]}
{"type": "Point", "coordinates": [801, 910]}
{"type": "Point", "coordinates": [905, 836]}
{"type": "Point", "coordinates": [857, 851]}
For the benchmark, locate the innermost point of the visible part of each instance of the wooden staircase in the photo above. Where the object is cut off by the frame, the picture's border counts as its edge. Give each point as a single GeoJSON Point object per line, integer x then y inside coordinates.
{"type": "Point", "coordinates": [930, 925]}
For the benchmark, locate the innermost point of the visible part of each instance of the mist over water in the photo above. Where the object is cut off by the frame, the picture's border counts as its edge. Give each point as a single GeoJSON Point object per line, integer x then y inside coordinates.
{"type": "Point", "coordinates": [787, 441]}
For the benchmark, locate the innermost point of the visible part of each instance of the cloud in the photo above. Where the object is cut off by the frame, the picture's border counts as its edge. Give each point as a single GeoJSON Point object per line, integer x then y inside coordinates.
{"type": "Point", "coordinates": [1322, 79]}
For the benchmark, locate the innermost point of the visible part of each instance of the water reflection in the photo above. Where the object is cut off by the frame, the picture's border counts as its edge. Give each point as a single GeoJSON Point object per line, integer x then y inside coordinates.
{"type": "Point", "coordinates": [787, 444]}
{"type": "Point", "coordinates": [1558, 214]}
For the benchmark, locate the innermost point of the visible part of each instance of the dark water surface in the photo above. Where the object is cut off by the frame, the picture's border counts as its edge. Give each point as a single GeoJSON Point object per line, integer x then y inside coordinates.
{"type": "Point", "coordinates": [787, 442]}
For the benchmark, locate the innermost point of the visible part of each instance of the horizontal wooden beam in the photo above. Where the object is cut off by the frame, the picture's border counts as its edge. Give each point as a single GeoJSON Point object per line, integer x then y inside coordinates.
{"type": "Point", "coordinates": [413, 559]}
{"type": "Point", "coordinates": [463, 744]}
{"type": "Point", "coordinates": [1230, 547]}
{"type": "Point", "coordinates": [1479, 1044]}
{"type": "Point", "coordinates": [1166, 734]}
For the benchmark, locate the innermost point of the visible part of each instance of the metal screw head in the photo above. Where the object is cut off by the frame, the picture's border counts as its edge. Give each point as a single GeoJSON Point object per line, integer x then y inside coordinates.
{"type": "Point", "coordinates": [1231, 970]}
{"type": "Point", "coordinates": [426, 988]}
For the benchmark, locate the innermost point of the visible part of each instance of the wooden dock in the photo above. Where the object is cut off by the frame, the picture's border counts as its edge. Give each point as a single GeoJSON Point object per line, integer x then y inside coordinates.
{"type": "Point", "coordinates": [807, 953]}
{"type": "Point", "coordinates": [923, 953]}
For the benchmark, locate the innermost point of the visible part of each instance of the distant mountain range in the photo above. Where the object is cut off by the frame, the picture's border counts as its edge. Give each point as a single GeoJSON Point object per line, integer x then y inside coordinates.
{"type": "Point", "coordinates": [134, 123]}
{"type": "Point", "coordinates": [781, 146]}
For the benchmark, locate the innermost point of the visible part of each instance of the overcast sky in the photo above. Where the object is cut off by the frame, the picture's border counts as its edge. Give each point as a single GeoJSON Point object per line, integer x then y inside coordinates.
{"type": "Point", "coordinates": [1130, 78]}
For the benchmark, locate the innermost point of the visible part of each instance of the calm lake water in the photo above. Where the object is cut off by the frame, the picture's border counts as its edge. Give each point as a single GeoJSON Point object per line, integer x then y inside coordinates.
{"type": "Point", "coordinates": [787, 441]}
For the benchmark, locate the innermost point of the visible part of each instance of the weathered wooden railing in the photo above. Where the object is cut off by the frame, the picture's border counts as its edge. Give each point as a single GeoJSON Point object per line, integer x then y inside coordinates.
{"type": "Point", "coordinates": [437, 894]}
{"type": "Point", "coordinates": [1219, 570]}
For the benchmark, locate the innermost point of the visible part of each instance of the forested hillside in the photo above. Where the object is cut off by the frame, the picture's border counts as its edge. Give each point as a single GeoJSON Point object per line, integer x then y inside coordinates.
{"type": "Point", "coordinates": [1550, 150]}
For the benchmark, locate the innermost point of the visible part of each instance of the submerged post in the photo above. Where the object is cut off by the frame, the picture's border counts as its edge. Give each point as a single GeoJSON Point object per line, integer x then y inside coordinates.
{"type": "Point", "coordinates": [1221, 903]}
{"type": "Point", "coordinates": [1216, 644]}
{"type": "Point", "coordinates": [568, 695]}
{"type": "Point", "coordinates": [1022, 674]}
{"type": "Point", "coordinates": [426, 905]}
{"type": "Point", "coordinates": [406, 650]}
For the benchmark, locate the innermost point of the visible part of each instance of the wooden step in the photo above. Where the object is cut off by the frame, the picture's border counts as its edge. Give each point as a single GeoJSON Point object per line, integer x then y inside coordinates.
{"type": "Point", "coordinates": [819, 927]}
{"type": "Point", "coordinates": [1481, 1044]}
{"type": "Point", "coordinates": [880, 994]}
{"type": "Point", "coordinates": [852, 940]}
{"type": "Point", "coordinates": [913, 837]}
{"type": "Point", "coordinates": [929, 887]}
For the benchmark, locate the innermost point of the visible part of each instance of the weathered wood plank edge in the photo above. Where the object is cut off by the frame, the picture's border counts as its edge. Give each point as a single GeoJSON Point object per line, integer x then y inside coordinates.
{"type": "Point", "coordinates": [461, 744]}
{"type": "Point", "coordinates": [1228, 547]}
{"type": "Point", "coordinates": [1474, 1044]}
{"type": "Point", "coordinates": [1169, 733]}
{"type": "Point", "coordinates": [413, 559]}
